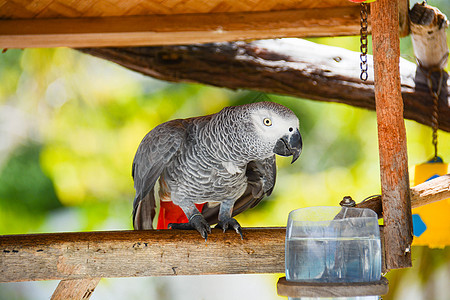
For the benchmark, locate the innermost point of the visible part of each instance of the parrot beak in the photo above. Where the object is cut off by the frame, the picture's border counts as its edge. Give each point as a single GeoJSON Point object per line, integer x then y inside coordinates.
{"type": "Point", "coordinates": [289, 145]}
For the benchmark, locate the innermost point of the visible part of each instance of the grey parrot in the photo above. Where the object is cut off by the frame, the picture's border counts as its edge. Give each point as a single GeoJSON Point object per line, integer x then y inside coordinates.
{"type": "Point", "coordinates": [204, 170]}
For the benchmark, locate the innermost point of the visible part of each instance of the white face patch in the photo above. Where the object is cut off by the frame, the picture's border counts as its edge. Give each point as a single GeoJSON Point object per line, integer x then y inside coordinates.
{"type": "Point", "coordinates": [271, 126]}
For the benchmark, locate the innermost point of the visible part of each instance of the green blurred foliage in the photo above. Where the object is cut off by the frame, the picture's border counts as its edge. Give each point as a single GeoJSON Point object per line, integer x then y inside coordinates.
{"type": "Point", "coordinates": [67, 163]}
{"type": "Point", "coordinates": [27, 193]}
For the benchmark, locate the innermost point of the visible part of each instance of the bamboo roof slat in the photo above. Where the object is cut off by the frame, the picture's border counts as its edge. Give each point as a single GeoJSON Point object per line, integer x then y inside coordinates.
{"type": "Point", "coordinates": [103, 23]}
{"type": "Point", "coordinates": [177, 29]}
{"type": "Point", "coordinates": [49, 9]}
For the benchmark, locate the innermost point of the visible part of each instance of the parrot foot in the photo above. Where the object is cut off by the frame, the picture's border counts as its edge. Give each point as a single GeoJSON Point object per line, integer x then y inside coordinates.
{"type": "Point", "coordinates": [230, 223]}
{"type": "Point", "coordinates": [196, 222]}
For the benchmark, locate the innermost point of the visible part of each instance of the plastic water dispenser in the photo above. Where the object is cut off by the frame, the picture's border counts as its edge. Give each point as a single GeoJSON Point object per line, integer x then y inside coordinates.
{"type": "Point", "coordinates": [333, 245]}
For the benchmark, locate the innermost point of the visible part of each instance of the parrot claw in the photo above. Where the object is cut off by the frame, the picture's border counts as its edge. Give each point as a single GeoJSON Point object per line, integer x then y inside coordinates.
{"type": "Point", "coordinates": [231, 223]}
{"type": "Point", "coordinates": [196, 222]}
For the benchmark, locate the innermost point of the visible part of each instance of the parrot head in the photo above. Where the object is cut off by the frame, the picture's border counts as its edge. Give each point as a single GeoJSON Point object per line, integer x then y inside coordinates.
{"type": "Point", "coordinates": [279, 127]}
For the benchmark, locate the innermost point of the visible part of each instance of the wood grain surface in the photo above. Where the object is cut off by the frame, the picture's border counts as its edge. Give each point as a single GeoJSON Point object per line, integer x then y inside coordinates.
{"type": "Point", "coordinates": [75, 289]}
{"type": "Point", "coordinates": [394, 175]}
{"type": "Point", "coordinates": [177, 29]}
{"type": "Point", "coordinates": [47, 9]}
{"type": "Point", "coordinates": [292, 67]}
{"type": "Point", "coordinates": [80, 255]}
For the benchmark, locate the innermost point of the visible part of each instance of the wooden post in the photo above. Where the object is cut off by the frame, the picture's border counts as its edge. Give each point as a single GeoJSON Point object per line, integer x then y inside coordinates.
{"type": "Point", "coordinates": [391, 135]}
{"type": "Point", "coordinates": [75, 289]}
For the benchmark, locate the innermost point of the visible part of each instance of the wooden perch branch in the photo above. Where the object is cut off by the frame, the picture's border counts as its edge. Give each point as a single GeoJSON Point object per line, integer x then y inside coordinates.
{"type": "Point", "coordinates": [81, 255]}
{"type": "Point", "coordinates": [292, 67]}
{"type": "Point", "coordinates": [425, 193]}
{"type": "Point", "coordinates": [431, 191]}
{"type": "Point", "coordinates": [91, 255]}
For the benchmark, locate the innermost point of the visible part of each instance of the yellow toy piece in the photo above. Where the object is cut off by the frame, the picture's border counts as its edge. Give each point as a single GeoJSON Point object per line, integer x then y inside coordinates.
{"type": "Point", "coordinates": [431, 222]}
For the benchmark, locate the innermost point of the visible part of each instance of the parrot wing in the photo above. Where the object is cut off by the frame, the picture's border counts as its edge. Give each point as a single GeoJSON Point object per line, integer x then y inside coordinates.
{"type": "Point", "coordinates": [261, 175]}
{"type": "Point", "coordinates": [154, 153]}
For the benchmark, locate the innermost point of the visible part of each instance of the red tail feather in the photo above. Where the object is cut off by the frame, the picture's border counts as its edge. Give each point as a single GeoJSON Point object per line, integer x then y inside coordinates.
{"type": "Point", "coordinates": [172, 213]}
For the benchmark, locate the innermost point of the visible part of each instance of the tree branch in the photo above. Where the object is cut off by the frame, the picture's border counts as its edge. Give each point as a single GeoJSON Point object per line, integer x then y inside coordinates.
{"type": "Point", "coordinates": [79, 255]}
{"type": "Point", "coordinates": [292, 67]}
{"type": "Point", "coordinates": [422, 194]}
{"type": "Point", "coordinates": [84, 255]}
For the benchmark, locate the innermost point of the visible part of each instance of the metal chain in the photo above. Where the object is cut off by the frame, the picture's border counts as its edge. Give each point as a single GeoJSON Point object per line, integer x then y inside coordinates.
{"type": "Point", "coordinates": [363, 32]}
{"type": "Point", "coordinates": [435, 95]}
{"type": "Point", "coordinates": [435, 114]}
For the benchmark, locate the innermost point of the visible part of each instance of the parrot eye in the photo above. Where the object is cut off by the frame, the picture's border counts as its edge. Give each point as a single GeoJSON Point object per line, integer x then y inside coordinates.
{"type": "Point", "coordinates": [267, 122]}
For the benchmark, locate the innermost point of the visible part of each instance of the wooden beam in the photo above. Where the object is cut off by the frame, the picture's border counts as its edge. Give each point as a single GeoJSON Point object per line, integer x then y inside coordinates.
{"type": "Point", "coordinates": [40, 9]}
{"type": "Point", "coordinates": [396, 199]}
{"type": "Point", "coordinates": [178, 29]}
{"type": "Point", "coordinates": [79, 259]}
{"type": "Point", "coordinates": [292, 67]}
{"type": "Point", "coordinates": [75, 289]}
{"type": "Point", "coordinates": [429, 39]}
{"type": "Point", "coordinates": [78, 255]}
{"type": "Point", "coordinates": [139, 253]}
{"type": "Point", "coordinates": [431, 191]}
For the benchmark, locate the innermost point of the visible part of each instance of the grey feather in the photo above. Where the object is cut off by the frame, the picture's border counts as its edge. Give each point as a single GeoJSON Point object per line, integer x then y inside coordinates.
{"type": "Point", "coordinates": [154, 152]}
{"type": "Point", "coordinates": [261, 176]}
{"type": "Point", "coordinates": [224, 158]}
